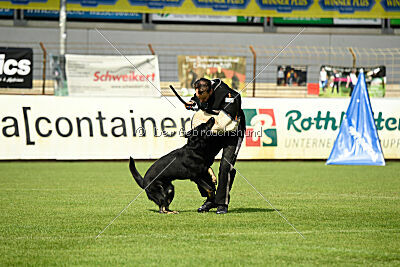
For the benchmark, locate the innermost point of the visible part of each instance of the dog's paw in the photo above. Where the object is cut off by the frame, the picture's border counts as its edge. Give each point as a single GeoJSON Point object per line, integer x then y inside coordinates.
{"type": "Point", "coordinates": [173, 212]}
{"type": "Point", "coordinates": [168, 211]}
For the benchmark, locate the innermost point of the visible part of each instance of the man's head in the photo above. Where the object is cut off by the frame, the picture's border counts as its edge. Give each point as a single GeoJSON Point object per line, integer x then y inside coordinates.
{"type": "Point", "coordinates": [203, 89]}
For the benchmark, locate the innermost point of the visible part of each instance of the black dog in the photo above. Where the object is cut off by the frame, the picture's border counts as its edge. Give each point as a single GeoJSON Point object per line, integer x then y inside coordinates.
{"type": "Point", "coordinates": [188, 162]}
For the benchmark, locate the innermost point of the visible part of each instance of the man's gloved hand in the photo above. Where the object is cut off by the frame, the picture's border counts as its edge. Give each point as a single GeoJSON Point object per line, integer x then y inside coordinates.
{"type": "Point", "coordinates": [190, 105]}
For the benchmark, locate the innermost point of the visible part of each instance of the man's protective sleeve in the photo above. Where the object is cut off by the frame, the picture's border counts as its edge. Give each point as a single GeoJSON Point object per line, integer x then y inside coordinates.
{"type": "Point", "coordinates": [223, 122]}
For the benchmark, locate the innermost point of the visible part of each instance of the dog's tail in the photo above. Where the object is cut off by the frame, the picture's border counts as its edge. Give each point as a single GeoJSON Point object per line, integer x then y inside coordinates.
{"type": "Point", "coordinates": [136, 175]}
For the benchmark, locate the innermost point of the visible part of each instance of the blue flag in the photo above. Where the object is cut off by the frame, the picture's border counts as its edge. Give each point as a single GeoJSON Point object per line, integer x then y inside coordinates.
{"type": "Point", "coordinates": [357, 142]}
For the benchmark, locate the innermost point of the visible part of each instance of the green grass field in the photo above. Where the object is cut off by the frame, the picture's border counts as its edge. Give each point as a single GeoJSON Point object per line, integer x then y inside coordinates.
{"type": "Point", "coordinates": [51, 213]}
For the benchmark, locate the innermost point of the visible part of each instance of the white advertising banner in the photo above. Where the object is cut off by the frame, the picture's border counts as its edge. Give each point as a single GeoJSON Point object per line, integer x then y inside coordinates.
{"type": "Point", "coordinates": [341, 21]}
{"type": "Point", "coordinates": [101, 75]}
{"type": "Point", "coordinates": [193, 18]}
{"type": "Point", "coordinates": [47, 127]}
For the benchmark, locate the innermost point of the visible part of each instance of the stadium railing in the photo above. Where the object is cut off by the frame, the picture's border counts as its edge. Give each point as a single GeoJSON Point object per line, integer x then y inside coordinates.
{"type": "Point", "coordinates": [312, 57]}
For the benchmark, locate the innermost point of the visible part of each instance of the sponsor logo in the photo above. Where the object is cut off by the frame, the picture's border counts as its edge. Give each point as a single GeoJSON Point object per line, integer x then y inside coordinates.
{"type": "Point", "coordinates": [297, 122]}
{"type": "Point", "coordinates": [157, 3]}
{"type": "Point", "coordinates": [391, 5]}
{"type": "Point", "coordinates": [346, 6]}
{"type": "Point", "coordinates": [285, 5]}
{"type": "Point", "coordinates": [260, 128]}
{"type": "Point", "coordinates": [25, 2]}
{"type": "Point", "coordinates": [11, 66]}
{"type": "Point", "coordinates": [92, 3]}
{"type": "Point", "coordinates": [222, 5]}
{"type": "Point", "coordinates": [128, 77]}
{"type": "Point", "coordinates": [92, 124]}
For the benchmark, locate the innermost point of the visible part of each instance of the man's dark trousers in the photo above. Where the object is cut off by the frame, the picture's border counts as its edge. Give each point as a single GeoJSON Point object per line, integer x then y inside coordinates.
{"type": "Point", "coordinates": [230, 146]}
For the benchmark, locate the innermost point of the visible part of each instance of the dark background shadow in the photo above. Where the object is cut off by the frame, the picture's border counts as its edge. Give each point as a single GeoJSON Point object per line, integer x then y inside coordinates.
{"type": "Point", "coordinates": [250, 210]}
{"type": "Point", "coordinates": [180, 211]}
{"type": "Point", "coordinates": [235, 210]}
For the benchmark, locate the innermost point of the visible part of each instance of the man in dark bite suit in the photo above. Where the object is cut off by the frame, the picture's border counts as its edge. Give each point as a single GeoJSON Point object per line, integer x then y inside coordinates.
{"type": "Point", "coordinates": [217, 98]}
